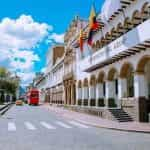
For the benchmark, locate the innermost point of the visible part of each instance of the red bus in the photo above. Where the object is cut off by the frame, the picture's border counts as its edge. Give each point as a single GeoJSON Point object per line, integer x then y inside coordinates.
{"type": "Point", "coordinates": [33, 97]}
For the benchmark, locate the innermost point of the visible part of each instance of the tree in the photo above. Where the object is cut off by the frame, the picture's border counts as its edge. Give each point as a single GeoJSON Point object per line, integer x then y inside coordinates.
{"type": "Point", "coordinates": [8, 84]}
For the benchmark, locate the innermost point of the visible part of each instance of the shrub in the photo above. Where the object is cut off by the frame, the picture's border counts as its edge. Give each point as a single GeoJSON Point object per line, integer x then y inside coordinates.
{"type": "Point", "coordinates": [111, 102]}
{"type": "Point", "coordinates": [101, 102]}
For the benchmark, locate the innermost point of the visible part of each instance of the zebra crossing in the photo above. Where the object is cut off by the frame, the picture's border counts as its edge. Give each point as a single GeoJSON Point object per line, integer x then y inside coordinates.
{"type": "Point", "coordinates": [12, 126]}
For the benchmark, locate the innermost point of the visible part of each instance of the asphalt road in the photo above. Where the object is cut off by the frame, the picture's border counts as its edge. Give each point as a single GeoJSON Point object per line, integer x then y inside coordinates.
{"type": "Point", "coordinates": [35, 128]}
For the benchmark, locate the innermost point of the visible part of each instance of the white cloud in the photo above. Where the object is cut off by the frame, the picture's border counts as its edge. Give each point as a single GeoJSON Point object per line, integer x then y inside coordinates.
{"type": "Point", "coordinates": [23, 60]}
{"type": "Point", "coordinates": [58, 38]}
{"type": "Point", "coordinates": [26, 77]}
{"type": "Point", "coordinates": [18, 37]}
{"type": "Point", "coordinates": [22, 33]}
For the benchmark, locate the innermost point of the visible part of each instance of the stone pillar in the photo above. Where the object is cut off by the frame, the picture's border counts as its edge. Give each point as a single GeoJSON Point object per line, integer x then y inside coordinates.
{"type": "Point", "coordinates": [71, 93]}
{"type": "Point", "coordinates": [99, 92]}
{"type": "Point", "coordinates": [109, 86]}
{"type": "Point", "coordinates": [77, 95]}
{"type": "Point", "coordinates": [122, 89]}
{"type": "Point", "coordinates": [92, 94]}
{"type": "Point", "coordinates": [83, 96]}
{"type": "Point", "coordinates": [108, 89]}
{"type": "Point", "coordinates": [139, 85]}
{"type": "Point", "coordinates": [86, 95]}
{"type": "Point", "coordinates": [140, 97]}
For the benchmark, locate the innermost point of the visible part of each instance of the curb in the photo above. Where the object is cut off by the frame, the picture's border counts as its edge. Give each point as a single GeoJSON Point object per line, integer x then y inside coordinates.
{"type": "Point", "coordinates": [111, 128]}
{"type": "Point", "coordinates": [104, 127]}
{"type": "Point", "coordinates": [4, 109]}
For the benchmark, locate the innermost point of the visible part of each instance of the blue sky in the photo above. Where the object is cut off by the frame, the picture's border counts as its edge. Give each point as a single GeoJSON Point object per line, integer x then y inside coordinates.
{"type": "Point", "coordinates": [26, 26]}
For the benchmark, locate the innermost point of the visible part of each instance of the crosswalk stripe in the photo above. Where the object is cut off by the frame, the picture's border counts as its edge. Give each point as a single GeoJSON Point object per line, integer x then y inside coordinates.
{"type": "Point", "coordinates": [78, 124]}
{"type": "Point", "coordinates": [30, 126]}
{"type": "Point", "coordinates": [63, 125]}
{"type": "Point", "coordinates": [11, 126]}
{"type": "Point", "coordinates": [46, 125]}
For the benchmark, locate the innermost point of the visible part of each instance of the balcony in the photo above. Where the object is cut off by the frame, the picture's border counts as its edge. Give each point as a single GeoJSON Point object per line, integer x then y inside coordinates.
{"type": "Point", "coordinates": [126, 45]}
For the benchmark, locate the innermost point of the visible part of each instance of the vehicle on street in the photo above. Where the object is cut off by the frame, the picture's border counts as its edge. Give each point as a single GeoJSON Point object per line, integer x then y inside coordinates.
{"type": "Point", "coordinates": [19, 102]}
{"type": "Point", "coordinates": [33, 97]}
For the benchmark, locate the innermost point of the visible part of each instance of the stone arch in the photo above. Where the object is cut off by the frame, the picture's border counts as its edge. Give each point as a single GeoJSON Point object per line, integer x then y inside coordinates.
{"type": "Point", "coordinates": [85, 84]}
{"type": "Point", "coordinates": [141, 64]}
{"type": "Point", "coordinates": [93, 80]}
{"type": "Point", "coordinates": [101, 85]}
{"type": "Point", "coordinates": [111, 74]}
{"type": "Point", "coordinates": [127, 73]}
{"type": "Point", "coordinates": [125, 68]}
{"type": "Point", "coordinates": [136, 18]}
{"type": "Point", "coordinates": [145, 11]}
{"type": "Point", "coordinates": [101, 77]}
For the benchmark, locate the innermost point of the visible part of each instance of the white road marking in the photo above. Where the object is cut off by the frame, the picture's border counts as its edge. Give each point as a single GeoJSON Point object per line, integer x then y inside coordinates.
{"type": "Point", "coordinates": [63, 125]}
{"type": "Point", "coordinates": [46, 125]}
{"type": "Point", "coordinates": [11, 126]}
{"type": "Point", "coordinates": [29, 126]}
{"type": "Point", "coordinates": [78, 124]}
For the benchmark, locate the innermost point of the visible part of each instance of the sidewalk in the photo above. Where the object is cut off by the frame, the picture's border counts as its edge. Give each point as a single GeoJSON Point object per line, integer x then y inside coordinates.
{"type": "Point", "coordinates": [99, 122]}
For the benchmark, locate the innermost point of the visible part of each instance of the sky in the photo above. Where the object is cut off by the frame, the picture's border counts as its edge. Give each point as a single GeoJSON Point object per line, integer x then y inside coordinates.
{"type": "Point", "coordinates": [28, 28]}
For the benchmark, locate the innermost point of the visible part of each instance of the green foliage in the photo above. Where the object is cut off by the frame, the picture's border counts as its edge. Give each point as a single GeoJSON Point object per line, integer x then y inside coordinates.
{"type": "Point", "coordinates": [7, 84]}
{"type": "Point", "coordinates": [101, 102]}
{"type": "Point", "coordinates": [111, 102]}
{"type": "Point", "coordinates": [3, 72]}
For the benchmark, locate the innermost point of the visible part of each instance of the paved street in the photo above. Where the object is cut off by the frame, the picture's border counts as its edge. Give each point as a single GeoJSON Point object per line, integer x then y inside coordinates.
{"type": "Point", "coordinates": [35, 128]}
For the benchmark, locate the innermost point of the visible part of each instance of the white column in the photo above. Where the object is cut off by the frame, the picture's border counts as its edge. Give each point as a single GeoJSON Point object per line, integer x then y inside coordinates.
{"type": "Point", "coordinates": [139, 86]}
{"type": "Point", "coordinates": [90, 96]}
{"type": "Point", "coordinates": [92, 93]}
{"type": "Point", "coordinates": [83, 96]}
{"type": "Point", "coordinates": [109, 91]}
{"type": "Point", "coordinates": [122, 88]}
{"type": "Point", "coordinates": [77, 95]}
{"type": "Point", "coordinates": [99, 92]}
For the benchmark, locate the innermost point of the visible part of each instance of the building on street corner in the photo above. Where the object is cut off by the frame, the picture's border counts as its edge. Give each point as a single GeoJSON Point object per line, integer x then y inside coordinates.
{"type": "Point", "coordinates": [103, 67]}
{"type": "Point", "coordinates": [117, 73]}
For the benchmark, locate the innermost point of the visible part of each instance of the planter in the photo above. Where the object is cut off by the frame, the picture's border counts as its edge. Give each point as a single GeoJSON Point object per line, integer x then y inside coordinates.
{"type": "Point", "coordinates": [101, 102]}
{"type": "Point", "coordinates": [79, 102]}
{"type": "Point", "coordinates": [85, 102]}
{"type": "Point", "coordinates": [92, 102]}
{"type": "Point", "coordinates": [111, 102]}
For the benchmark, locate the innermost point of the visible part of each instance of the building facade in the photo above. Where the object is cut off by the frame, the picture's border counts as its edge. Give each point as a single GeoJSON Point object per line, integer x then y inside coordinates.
{"type": "Point", "coordinates": [54, 75]}
{"type": "Point", "coordinates": [69, 77]}
{"type": "Point", "coordinates": [117, 73]}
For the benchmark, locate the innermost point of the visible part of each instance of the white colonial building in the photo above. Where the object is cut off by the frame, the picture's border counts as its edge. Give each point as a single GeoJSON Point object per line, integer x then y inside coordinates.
{"type": "Point", "coordinates": [115, 73]}
{"type": "Point", "coordinates": [54, 75]}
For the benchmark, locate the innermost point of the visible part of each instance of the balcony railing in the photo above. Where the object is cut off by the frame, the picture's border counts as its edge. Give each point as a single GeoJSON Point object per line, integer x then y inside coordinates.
{"type": "Point", "coordinates": [132, 38]}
